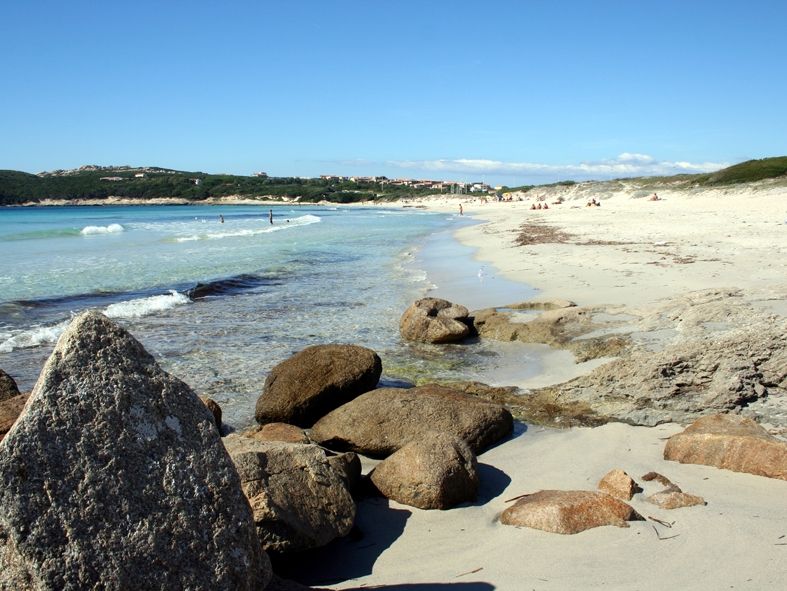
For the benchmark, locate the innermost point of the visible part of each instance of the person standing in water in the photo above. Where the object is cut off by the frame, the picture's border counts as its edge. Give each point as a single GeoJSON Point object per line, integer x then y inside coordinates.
{"type": "Point", "coordinates": [461, 211]}
{"type": "Point", "coordinates": [221, 218]}
{"type": "Point", "coordinates": [270, 216]}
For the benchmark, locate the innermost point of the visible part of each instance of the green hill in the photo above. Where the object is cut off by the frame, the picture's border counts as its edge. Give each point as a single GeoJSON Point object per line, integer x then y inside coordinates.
{"type": "Point", "coordinates": [747, 172]}
{"type": "Point", "coordinates": [148, 183]}
{"type": "Point", "coordinates": [151, 182]}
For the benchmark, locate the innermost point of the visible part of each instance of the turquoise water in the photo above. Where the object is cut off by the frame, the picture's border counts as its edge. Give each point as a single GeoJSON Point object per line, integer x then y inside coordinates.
{"type": "Point", "coordinates": [219, 304]}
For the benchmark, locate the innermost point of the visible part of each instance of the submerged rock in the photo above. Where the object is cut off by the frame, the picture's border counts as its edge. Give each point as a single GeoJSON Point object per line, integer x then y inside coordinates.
{"type": "Point", "coordinates": [730, 442]}
{"type": "Point", "coordinates": [115, 477]}
{"type": "Point", "coordinates": [568, 511]}
{"type": "Point", "coordinates": [436, 472]}
{"type": "Point", "coordinates": [382, 421]}
{"type": "Point", "coordinates": [432, 320]}
{"type": "Point", "coordinates": [315, 381]}
{"type": "Point", "coordinates": [299, 499]}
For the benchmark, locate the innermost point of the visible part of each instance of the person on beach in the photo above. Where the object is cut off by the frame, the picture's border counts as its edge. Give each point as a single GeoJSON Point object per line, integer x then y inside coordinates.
{"type": "Point", "coordinates": [461, 211]}
{"type": "Point", "coordinates": [270, 216]}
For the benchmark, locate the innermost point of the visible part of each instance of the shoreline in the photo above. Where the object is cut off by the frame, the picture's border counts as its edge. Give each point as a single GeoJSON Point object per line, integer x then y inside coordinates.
{"type": "Point", "coordinates": [662, 295]}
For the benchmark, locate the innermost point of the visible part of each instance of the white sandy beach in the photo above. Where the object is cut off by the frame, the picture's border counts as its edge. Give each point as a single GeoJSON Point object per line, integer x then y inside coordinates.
{"type": "Point", "coordinates": [648, 262]}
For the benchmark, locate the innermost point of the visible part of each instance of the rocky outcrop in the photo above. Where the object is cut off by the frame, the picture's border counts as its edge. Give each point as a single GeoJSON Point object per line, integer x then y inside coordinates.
{"type": "Point", "coordinates": [554, 325]}
{"type": "Point", "coordinates": [435, 472]}
{"type": "Point", "coordinates": [672, 497]}
{"type": "Point", "coordinates": [298, 499]}
{"type": "Point", "coordinates": [559, 324]}
{"type": "Point", "coordinates": [685, 380]}
{"type": "Point", "coordinates": [114, 476]}
{"type": "Point", "coordinates": [730, 442]}
{"type": "Point", "coordinates": [10, 409]}
{"type": "Point", "coordinates": [568, 511]}
{"type": "Point", "coordinates": [618, 484]}
{"type": "Point", "coordinates": [316, 380]}
{"type": "Point", "coordinates": [382, 421]}
{"type": "Point", "coordinates": [8, 388]}
{"type": "Point", "coordinates": [432, 320]}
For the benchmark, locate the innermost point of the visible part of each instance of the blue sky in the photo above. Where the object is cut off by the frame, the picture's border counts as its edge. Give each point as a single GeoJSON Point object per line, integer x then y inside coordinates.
{"type": "Point", "coordinates": [503, 91]}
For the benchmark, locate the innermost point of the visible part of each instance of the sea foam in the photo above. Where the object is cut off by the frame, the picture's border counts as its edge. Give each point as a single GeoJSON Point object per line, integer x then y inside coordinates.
{"type": "Point", "coordinates": [34, 337]}
{"type": "Point", "coordinates": [280, 224]}
{"type": "Point", "coordinates": [146, 306]}
{"type": "Point", "coordinates": [110, 229]}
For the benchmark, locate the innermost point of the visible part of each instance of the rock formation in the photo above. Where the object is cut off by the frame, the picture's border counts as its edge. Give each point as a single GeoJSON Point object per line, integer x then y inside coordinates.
{"type": "Point", "coordinates": [298, 499]}
{"type": "Point", "coordinates": [434, 472]}
{"type": "Point", "coordinates": [313, 382]}
{"type": "Point", "coordinates": [380, 422]}
{"type": "Point", "coordinates": [114, 476]}
{"type": "Point", "coordinates": [685, 380]}
{"type": "Point", "coordinates": [432, 320]}
{"type": "Point", "coordinates": [568, 511]}
{"type": "Point", "coordinates": [730, 442]}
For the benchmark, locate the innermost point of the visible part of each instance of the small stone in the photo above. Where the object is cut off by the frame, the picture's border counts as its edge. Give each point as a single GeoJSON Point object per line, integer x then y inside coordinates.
{"type": "Point", "coordinates": [214, 408]}
{"type": "Point", "coordinates": [8, 388]}
{"type": "Point", "coordinates": [618, 484]}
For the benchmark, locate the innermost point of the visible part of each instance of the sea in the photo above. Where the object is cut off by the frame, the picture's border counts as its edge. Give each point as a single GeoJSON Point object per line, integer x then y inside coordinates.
{"type": "Point", "coordinates": [219, 294]}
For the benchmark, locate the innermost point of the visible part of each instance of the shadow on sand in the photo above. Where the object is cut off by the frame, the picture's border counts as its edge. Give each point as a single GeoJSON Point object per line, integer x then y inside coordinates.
{"type": "Point", "coordinates": [469, 586]}
{"type": "Point", "coordinates": [493, 482]}
{"type": "Point", "coordinates": [377, 526]}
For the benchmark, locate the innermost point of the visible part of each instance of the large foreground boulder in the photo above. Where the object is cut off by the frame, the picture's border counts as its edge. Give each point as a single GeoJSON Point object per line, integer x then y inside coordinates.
{"type": "Point", "coordinates": [730, 442]}
{"type": "Point", "coordinates": [436, 472]}
{"type": "Point", "coordinates": [432, 320]}
{"type": "Point", "coordinates": [313, 382]}
{"type": "Point", "coordinates": [8, 387]}
{"type": "Point", "coordinates": [380, 422]}
{"type": "Point", "coordinates": [568, 511]}
{"type": "Point", "coordinates": [300, 501]}
{"type": "Point", "coordinates": [114, 477]}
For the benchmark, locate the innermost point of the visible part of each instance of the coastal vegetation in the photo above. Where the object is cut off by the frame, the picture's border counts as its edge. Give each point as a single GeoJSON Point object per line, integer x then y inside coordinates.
{"type": "Point", "coordinates": [93, 182]}
{"type": "Point", "coordinates": [151, 183]}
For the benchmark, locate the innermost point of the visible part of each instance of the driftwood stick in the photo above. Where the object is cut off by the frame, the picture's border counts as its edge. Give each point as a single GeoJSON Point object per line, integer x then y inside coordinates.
{"type": "Point", "coordinates": [470, 572]}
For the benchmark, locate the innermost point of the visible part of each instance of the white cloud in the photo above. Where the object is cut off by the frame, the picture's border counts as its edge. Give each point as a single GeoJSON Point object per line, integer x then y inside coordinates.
{"type": "Point", "coordinates": [633, 157]}
{"type": "Point", "coordinates": [627, 164]}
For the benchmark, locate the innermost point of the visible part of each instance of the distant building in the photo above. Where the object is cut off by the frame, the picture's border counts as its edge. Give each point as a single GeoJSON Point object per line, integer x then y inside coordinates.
{"type": "Point", "coordinates": [111, 178]}
{"type": "Point", "coordinates": [261, 174]}
{"type": "Point", "coordinates": [139, 175]}
{"type": "Point", "coordinates": [197, 181]}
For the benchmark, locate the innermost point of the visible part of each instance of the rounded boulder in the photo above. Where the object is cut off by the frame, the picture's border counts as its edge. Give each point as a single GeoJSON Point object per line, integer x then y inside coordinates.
{"type": "Point", "coordinates": [315, 381]}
